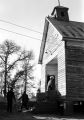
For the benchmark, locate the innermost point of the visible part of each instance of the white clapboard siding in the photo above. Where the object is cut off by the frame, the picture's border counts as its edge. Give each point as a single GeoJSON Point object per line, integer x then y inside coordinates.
{"type": "Point", "coordinates": [61, 70]}
{"type": "Point", "coordinates": [53, 41]}
{"type": "Point", "coordinates": [43, 77]}
{"type": "Point", "coordinates": [54, 44]}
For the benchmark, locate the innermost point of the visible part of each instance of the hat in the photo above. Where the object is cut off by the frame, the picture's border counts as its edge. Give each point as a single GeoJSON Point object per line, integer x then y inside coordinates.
{"type": "Point", "coordinates": [51, 77]}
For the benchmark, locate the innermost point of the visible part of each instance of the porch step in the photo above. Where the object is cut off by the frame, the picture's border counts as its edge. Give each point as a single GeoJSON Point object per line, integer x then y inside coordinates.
{"type": "Point", "coordinates": [46, 107]}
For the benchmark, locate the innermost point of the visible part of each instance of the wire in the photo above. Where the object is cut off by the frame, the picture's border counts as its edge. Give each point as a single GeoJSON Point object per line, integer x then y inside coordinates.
{"type": "Point", "coordinates": [19, 34]}
{"type": "Point", "coordinates": [20, 26]}
{"type": "Point", "coordinates": [25, 35]}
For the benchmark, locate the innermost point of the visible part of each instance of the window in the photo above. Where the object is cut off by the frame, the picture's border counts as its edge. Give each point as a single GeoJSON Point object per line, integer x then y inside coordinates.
{"type": "Point", "coordinates": [62, 14]}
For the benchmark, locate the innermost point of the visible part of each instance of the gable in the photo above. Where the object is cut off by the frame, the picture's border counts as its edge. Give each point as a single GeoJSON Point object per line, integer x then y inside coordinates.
{"type": "Point", "coordinates": [50, 41]}
{"type": "Point", "coordinates": [53, 41]}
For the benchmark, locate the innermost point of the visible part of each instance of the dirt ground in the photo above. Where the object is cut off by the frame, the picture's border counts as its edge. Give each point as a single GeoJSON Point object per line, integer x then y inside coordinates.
{"type": "Point", "coordinates": [4, 115]}
{"type": "Point", "coordinates": [26, 115]}
{"type": "Point", "coordinates": [15, 116]}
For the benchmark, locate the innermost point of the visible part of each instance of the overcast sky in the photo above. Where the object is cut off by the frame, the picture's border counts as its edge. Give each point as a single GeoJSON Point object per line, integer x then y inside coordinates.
{"type": "Point", "coordinates": [31, 14]}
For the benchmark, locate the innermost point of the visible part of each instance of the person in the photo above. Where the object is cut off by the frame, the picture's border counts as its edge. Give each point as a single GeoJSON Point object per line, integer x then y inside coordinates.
{"type": "Point", "coordinates": [50, 85]}
{"type": "Point", "coordinates": [25, 100]}
{"type": "Point", "coordinates": [10, 97]}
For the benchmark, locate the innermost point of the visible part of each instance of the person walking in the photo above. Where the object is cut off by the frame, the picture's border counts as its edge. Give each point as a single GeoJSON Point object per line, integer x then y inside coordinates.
{"type": "Point", "coordinates": [25, 100]}
{"type": "Point", "coordinates": [10, 97]}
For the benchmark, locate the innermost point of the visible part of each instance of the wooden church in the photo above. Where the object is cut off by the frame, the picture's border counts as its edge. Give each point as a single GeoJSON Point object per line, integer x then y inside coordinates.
{"type": "Point", "coordinates": [62, 55]}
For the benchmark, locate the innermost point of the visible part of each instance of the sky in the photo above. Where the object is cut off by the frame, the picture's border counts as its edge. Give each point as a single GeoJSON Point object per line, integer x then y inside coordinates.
{"type": "Point", "coordinates": [31, 14]}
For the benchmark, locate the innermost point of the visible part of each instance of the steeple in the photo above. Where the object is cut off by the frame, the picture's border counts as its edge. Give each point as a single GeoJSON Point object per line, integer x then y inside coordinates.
{"type": "Point", "coordinates": [59, 2]}
{"type": "Point", "coordinates": [60, 12]}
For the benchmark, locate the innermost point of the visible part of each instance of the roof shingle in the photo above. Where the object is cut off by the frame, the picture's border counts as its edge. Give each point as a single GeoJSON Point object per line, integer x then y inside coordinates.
{"type": "Point", "coordinates": [68, 29]}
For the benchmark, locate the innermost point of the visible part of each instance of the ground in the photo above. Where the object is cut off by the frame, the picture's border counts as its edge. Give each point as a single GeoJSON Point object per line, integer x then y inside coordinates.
{"type": "Point", "coordinates": [15, 116]}
{"type": "Point", "coordinates": [27, 115]}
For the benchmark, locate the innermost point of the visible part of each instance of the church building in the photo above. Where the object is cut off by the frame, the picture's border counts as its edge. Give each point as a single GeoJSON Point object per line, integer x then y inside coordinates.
{"type": "Point", "coordinates": [62, 56]}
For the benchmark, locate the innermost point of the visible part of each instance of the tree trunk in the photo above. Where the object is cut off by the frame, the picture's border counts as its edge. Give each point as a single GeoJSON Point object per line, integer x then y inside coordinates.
{"type": "Point", "coordinates": [5, 77]}
{"type": "Point", "coordinates": [25, 78]}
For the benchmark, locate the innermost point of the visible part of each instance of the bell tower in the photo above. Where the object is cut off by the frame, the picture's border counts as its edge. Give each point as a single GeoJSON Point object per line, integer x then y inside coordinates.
{"type": "Point", "coordinates": [60, 12]}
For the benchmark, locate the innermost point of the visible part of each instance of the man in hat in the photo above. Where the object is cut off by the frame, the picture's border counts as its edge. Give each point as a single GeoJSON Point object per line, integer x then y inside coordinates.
{"type": "Point", "coordinates": [10, 97]}
{"type": "Point", "coordinates": [25, 100]}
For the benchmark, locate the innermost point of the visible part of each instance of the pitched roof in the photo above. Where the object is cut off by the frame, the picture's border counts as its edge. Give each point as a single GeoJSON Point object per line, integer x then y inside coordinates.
{"type": "Point", "coordinates": [68, 29]}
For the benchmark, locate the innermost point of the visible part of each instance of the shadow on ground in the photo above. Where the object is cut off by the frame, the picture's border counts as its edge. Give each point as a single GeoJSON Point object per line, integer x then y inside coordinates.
{"type": "Point", "coordinates": [15, 115]}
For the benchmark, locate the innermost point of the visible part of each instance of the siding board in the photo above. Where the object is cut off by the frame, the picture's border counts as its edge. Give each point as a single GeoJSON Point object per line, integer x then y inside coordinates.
{"type": "Point", "coordinates": [61, 70]}
{"type": "Point", "coordinates": [43, 77]}
{"type": "Point", "coordinates": [75, 70]}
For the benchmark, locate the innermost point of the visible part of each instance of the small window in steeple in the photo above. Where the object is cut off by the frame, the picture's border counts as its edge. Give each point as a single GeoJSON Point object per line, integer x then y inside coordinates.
{"type": "Point", "coordinates": [62, 14]}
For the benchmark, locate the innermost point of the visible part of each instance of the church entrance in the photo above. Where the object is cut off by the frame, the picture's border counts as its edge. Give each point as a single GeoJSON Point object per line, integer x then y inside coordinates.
{"type": "Point", "coordinates": [52, 73]}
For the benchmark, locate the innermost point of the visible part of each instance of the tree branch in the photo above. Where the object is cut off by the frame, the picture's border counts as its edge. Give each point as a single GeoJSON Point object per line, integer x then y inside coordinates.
{"type": "Point", "coordinates": [2, 58]}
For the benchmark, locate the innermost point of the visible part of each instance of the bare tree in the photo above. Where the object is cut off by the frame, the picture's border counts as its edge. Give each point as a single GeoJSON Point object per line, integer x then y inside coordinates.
{"type": "Point", "coordinates": [26, 70]}
{"type": "Point", "coordinates": [7, 65]}
{"type": "Point", "coordinates": [6, 50]}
